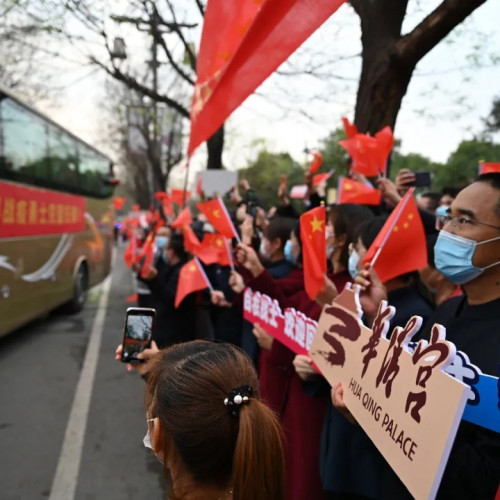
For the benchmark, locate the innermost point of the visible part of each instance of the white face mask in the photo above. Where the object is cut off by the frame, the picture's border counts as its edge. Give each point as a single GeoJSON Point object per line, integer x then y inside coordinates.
{"type": "Point", "coordinates": [147, 441]}
{"type": "Point", "coordinates": [329, 251]}
{"type": "Point", "coordinates": [353, 264]}
{"type": "Point", "coordinates": [262, 249]}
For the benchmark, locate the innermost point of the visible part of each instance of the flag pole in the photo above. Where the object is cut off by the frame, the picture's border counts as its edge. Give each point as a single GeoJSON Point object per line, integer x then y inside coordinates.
{"type": "Point", "coordinates": [403, 202]}
{"type": "Point", "coordinates": [229, 252]}
{"type": "Point", "coordinates": [202, 271]}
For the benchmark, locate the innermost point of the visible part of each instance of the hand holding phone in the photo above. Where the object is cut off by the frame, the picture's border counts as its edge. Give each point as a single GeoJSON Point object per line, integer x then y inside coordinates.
{"type": "Point", "coordinates": [137, 333]}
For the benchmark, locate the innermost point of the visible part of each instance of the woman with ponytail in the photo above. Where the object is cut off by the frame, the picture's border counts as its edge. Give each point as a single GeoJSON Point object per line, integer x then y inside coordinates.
{"type": "Point", "coordinates": [208, 426]}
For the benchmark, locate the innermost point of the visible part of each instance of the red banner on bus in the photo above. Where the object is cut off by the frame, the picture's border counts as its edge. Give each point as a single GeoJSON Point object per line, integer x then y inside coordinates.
{"type": "Point", "coordinates": [31, 211]}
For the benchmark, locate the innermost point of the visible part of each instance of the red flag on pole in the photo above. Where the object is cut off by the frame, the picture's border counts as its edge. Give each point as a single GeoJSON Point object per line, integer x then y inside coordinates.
{"type": "Point", "coordinates": [191, 242]}
{"type": "Point", "coordinates": [199, 185]}
{"type": "Point", "coordinates": [312, 235]}
{"type": "Point", "coordinates": [216, 213]}
{"type": "Point", "coordinates": [363, 150]}
{"type": "Point", "coordinates": [147, 252]}
{"type": "Point", "coordinates": [242, 43]}
{"type": "Point", "coordinates": [192, 278]}
{"type": "Point", "coordinates": [400, 246]}
{"type": "Point", "coordinates": [118, 202]}
{"type": "Point", "coordinates": [350, 191]}
{"type": "Point", "coordinates": [177, 196]}
{"type": "Point", "coordinates": [183, 219]}
{"type": "Point", "coordinates": [212, 250]}
{"type": "Point", "coordinates": [319, 178]}
{"type": "Point", "coordinates": [385, 142]}
{"type": "Point", "coordinates": [316, 163]}
{"type": "Point", "coordinates": [130, 252]}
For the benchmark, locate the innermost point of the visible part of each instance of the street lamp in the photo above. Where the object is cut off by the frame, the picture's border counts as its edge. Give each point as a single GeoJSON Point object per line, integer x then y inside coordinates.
{"type": "Point", "coordinates": [119, 49]}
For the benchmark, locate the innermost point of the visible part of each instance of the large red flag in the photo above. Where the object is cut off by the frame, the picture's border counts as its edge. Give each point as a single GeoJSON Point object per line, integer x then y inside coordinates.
{"type": "Point", "coordinates": [118, 202]}
{"type": "Point", "coordinates": [400, 246]}
{"type": "Point", "coordinates": [351, 191]}
{"type": "Point", "coordinates": [242, 43]}
{"type": "Point", "coordinates": [183, 219]}
{"type": "Point", "coordinates": [191, 242]}
{"type": "Point", "coordinates": [319, 178]}
{"type": "Point", "coordinates": [213, 250]}
{"type": "Point", "coordinates": [216, 213]}
{"type": "Point", "coordinates": [312, 235]}
{"type": "Point", "coordinates": [192, 278]}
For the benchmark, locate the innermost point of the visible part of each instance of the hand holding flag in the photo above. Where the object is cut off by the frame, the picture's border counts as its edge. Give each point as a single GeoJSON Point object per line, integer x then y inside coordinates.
{"type": "Point", "coordinates": [400, 246]}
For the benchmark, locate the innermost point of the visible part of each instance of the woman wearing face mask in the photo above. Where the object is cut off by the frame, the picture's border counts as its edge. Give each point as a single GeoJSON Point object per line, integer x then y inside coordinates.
{"type": "Point", "coordinates": [208, 426]}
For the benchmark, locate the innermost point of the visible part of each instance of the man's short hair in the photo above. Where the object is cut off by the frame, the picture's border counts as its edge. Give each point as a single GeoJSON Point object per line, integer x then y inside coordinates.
{"type": "Point", "coordinates": [493, 179]}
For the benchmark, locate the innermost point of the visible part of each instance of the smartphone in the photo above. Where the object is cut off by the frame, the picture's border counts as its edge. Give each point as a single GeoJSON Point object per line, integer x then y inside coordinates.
{"type": "Point", "coordinates": [137, 333]}
{"type": "Point", "coordinates": [422, 179]}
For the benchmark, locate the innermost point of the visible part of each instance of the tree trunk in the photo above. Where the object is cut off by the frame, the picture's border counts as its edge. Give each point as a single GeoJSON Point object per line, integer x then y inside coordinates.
{"type": "Point", "coordinates": [215, 145]}
{"type": "Point", "coordinates": [382, 86]}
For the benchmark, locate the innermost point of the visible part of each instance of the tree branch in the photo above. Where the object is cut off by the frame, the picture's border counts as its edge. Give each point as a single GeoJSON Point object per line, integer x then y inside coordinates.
{"type": "Point", "coordinates": [200, 7]}
{"type": "Point", "coordinates": [411, 48]}
{"type": "Point", "coordinates": [132, 83]}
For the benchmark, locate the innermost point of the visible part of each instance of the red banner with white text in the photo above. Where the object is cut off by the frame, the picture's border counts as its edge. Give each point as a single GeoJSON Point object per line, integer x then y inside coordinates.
{"type": "Point", "coordinates": [26, 211]}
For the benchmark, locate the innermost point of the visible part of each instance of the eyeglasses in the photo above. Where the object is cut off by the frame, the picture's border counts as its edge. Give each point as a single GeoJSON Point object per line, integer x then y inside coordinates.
{"type": "Point", "coordinates": [460, 221]}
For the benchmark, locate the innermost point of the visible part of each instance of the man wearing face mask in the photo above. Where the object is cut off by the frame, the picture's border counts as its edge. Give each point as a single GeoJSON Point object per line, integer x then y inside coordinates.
{"type": "Point", "coordinates": [467, 253]}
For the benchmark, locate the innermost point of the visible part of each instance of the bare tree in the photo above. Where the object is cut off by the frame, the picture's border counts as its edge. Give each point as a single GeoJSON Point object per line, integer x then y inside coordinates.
{"type": "Point", "coordinates": [389, 57]}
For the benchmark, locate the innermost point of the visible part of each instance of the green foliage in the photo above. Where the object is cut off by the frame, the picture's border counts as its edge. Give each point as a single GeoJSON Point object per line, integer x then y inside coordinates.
{"type": "Point", "coordinates": [413, 161]}
{"type": "Point", "coordinates": [264, 173]}
{"type": "Point", "coordinates": [334, 155]}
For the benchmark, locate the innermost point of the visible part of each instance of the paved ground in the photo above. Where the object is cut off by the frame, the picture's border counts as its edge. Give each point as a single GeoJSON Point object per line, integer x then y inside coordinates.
{"type": "Point", "coordinates": [41, 370]}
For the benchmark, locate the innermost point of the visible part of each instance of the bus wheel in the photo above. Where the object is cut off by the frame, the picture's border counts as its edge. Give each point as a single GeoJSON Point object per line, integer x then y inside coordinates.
{"type": "Point", "coordinates": [80, 289]}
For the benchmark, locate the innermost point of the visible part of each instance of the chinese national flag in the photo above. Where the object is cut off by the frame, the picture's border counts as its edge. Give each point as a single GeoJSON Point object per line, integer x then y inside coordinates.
{"type": "Point", "coordinates": [192, 278]}
{"type": "Point", "coordinates": [183, 219]}
{"type": "Point", "coordinates": [364, 152]}
{"type": "Point", "coordinates": [400, 246]}
{"type": "Point", "coordinates": [351, 191]}
{"type": "Point", "coordinates": [216, 213]}
{"type": "Point", "coordinates": [312, 235]}
{"type": "Point", "coordinates": [167, 206]}
{"type": "Point", "coordinates": [118, 202]}
{"type": "Point", "coordinates": [177, 196]}
{"type": "Point", "coordinates": [199, 185]}
{"type": "Point", "coordinates": [135, 207]}
{"type": "Point", "coordinates": [316, 163]}
{"type": "Point", "coordinates": [319, 178]}
{"type": "Point", "coordinates": [350, 129]}
{"type": "Point", "coordinates": [147, 252]}
{"type": "Point", "coordinates": [191, 242]}
{"type": "Point", "coordinates": [130, 251]}
{"type": "Point", "coordinates": [213, 250]}
{"type": "Point", "coordinates": [385, 142]}
{"type": "Point", "coordinates": [242, 43]}
{"type": "Point", "coordinates": [488, 168]}
{"type": "Point", "coordinates": [160, 195]}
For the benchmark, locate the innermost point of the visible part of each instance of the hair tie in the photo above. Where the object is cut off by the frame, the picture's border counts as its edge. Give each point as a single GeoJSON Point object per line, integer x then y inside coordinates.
{"type": "Point", "coordinates": [238, 397]}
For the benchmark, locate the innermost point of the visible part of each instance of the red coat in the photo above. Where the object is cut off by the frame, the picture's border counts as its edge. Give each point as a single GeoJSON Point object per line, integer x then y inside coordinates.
{"type": "Point", "coordinates": [301, 415]}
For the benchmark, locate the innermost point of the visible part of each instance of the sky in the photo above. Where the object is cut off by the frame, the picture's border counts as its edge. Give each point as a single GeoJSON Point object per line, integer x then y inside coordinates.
{"type": "Point", "coordinates": [450, 92]}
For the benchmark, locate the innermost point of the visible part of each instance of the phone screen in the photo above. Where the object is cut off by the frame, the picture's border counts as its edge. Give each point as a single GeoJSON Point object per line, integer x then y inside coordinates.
{"type": "Point", "coordinates": [137, 336]}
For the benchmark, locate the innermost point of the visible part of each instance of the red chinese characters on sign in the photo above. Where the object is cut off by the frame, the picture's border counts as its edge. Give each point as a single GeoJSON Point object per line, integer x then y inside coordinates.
{"type": "Point", "coordinates": [292, 328]}
{"type": "Point", "coordinates": [30, 211]}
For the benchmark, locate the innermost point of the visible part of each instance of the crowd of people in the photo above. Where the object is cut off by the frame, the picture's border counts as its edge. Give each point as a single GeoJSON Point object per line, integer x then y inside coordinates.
{"type": "Point", "coordinates": [323, 452]}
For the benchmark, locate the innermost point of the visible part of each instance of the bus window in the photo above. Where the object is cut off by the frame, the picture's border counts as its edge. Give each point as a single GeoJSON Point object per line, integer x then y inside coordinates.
{"type": "Point", "coordinates": [24, 155]}
{"type": "Point", "coordinates": [64, 159]}
{"type": "Point", "coordinates": [94, 170]}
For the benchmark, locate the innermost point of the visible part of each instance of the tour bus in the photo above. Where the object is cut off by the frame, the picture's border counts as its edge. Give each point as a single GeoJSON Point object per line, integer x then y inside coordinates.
{"type": "Point", "coordinates": [56, 215]}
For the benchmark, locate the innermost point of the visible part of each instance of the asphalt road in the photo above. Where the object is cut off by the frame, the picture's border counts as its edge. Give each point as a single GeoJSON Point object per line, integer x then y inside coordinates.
{"type": "Point", "coordinates": [70, 409]}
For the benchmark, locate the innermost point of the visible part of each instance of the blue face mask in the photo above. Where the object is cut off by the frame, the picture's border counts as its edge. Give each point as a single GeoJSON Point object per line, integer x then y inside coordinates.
{"type": "Point", "coordinates": [289, 256]}
{"type": "Point", "coordinates": [453, 257]}
{"type": "Point", "coordinates": [353, 264]}
{"type": "Point", "coordinates": [161, 242]}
